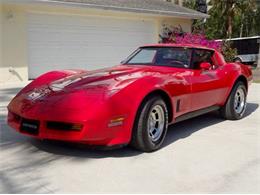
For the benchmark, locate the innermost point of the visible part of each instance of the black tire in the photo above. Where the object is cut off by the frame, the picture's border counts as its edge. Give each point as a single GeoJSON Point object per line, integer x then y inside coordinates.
{"type": "Point", "coordinates": [237, 60]}
{"type": "Point", "coordinates": [229, 111]}
{"type": "Point", "coordinates": [141, 139]}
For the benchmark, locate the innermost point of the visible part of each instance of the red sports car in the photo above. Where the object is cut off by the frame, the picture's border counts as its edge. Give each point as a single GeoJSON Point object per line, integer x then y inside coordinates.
{"type": "Point", "coordinates": [134, 102]}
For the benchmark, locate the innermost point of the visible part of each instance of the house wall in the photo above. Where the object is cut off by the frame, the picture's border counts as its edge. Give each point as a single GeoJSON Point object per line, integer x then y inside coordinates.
{"type": "Point", "coordinates": [14, 63]}
{"type": "Point", "coordinates": [14, 40]}
{"type": "Point", "coordinates": [1, 33]}
{"type": "Point", "coordinates": [184, 23]}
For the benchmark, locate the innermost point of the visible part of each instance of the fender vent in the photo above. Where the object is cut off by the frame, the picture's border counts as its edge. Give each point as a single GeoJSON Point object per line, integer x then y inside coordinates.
{"type": "Point", "coordinates": [178, 105]}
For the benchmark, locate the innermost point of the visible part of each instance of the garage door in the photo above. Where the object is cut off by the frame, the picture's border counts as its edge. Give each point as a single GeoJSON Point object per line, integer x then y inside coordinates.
{"type": "Point", "coordinates": [70, 42]}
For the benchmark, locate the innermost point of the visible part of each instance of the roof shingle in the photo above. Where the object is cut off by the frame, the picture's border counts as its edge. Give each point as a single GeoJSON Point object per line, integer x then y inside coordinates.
{"type": "Point", "coordinates": [159, 7]}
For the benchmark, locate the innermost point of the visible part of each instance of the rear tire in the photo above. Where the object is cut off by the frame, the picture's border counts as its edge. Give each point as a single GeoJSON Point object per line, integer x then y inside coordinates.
{"type": "Point", "coordinates": [151, 125]}
{"type": "Point", "coordinates": [237, 60]}
{"type": "Point", "coordinates": [235, 106]}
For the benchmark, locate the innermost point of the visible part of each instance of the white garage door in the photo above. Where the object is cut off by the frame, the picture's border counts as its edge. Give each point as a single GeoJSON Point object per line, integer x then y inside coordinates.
{"type": "Point", "coordinates": [70, 42]}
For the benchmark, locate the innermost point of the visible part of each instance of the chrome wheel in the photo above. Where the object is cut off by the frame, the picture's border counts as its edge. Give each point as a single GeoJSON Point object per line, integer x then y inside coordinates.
{"type": "Point", "coordinates": [240, 101]}
{"type": "Point", "coordinates": [156, 123]}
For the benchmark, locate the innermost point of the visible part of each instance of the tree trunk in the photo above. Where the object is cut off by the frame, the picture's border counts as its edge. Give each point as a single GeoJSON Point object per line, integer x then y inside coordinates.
{"type": "Point", "coordinates": [230, 14]}
{"type": "Point", "coordinates": [242, 25]}
{"type": "Point", "coordinates": [229, 28]}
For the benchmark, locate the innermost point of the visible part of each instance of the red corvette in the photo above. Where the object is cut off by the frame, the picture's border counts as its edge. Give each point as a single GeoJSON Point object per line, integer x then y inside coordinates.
{"type": "Point", "coordinates": [132, 103]}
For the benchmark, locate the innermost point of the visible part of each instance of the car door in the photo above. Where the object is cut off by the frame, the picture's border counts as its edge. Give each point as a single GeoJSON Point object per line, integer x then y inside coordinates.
{"type": "Point", "coordinates": [208, 85]}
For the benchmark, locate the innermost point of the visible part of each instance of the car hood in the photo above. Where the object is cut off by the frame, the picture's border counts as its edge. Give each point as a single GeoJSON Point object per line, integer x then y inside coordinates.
{"type": "Point", "coordinates": [105, 79]}
{"type": "Point", "coordinates": [86, 89]}
{"type": "Point", "coordinates": [81, 89]}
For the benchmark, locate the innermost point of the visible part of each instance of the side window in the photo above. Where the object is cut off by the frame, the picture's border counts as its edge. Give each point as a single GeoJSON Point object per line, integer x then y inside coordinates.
{"type": "Point", "coordinates": [201, 55]}
{"type": "Point", "coordinates": [178, 57]}
{"type": "Point", "coordinates": [145, 56]}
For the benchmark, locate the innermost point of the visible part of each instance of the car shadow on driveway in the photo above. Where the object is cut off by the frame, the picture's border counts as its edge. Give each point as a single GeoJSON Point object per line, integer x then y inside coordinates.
{"type": "Point", "coordinates": [7, 94]}
{"type": "Point", "coordinates": [186, 128]}
{"type": "Point", "coordinates": [21, 156]}
{"type": "Point", "coordinates": [176, 132]}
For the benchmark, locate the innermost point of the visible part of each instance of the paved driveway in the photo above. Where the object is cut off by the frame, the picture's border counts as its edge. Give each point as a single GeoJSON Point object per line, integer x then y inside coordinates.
{"type": "Point", "coordinates": [202, 155]}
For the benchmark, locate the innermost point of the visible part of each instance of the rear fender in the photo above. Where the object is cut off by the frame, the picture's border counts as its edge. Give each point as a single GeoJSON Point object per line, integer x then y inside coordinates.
{"type": "Point", "coordinates": [238, 72]}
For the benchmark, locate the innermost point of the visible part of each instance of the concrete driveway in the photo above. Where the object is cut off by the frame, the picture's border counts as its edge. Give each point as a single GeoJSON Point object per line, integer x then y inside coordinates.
{"type": "Point", "coordinates": [202, 155]}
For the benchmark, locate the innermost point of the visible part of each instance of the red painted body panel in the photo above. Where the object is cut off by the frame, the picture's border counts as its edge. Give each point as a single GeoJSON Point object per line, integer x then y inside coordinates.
{"type": "Point", "coordinates": [95, 99]}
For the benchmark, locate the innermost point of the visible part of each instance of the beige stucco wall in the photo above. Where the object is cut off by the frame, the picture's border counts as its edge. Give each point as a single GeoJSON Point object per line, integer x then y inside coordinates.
{"type": "Point", "coordinates": [1, 33]}
{"type": "Point", "coordinates": [14, 44]}
{"type": "Point", "coordinates": [184, 23]}
{"type": "Point", "coordinates": [14, 32]}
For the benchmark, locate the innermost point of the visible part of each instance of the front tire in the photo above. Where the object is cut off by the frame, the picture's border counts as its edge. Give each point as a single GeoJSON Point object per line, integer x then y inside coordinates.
{"type": "Point", "coordinates": [151, 125]}
{"type": "Point", "coordinates": [235, 106]}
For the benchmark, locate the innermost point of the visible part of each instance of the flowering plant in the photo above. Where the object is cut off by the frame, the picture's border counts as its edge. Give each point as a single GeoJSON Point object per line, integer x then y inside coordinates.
{"type": "Point", "coordinates": [177, 35]}
{"type": "Point", "coordinates": [198, 39]}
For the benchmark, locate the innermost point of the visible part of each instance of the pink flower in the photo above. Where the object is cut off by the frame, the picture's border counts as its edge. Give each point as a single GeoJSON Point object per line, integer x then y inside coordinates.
{"type": "Point", "coordinates": [199, 39]}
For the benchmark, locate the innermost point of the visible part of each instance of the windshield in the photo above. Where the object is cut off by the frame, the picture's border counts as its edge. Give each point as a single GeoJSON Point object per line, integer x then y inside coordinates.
{"type": "Point", "coordinates": [161, 56]}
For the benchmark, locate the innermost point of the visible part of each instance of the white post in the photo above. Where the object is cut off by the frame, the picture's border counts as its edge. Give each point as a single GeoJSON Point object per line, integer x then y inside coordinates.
{"type": "Point", "coordinates": [180, 2]}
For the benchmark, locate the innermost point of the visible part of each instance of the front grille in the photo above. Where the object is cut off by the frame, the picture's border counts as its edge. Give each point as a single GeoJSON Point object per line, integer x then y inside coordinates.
{"type": "Point", "coordinates": [63, 126]}
{"type": "Point", "coordinates": [30, 126]}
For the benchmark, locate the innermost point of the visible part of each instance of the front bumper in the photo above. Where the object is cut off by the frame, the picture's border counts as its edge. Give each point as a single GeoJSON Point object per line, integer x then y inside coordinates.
{"type": "Point", "coordinates": [90, 111]}
{"type": "Point", "coordinates": [93, 132]}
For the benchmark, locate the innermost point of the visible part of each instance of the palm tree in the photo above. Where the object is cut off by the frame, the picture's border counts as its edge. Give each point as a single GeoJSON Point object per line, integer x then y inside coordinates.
{"type": "Point", "coordinates": [248, 11]}
{"type": "Point", "coordinates": [228, 18]}
{"type": "Point", "coordinates": [228, 10]}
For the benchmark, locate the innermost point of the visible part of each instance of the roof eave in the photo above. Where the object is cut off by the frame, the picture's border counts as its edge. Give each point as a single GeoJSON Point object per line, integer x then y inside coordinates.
{"type": "Point", "coordinates": [122, 9]}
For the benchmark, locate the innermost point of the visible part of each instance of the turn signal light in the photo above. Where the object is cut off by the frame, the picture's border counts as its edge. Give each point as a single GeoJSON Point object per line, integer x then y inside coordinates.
{"type": "Point", "coordinates": [116, 122]}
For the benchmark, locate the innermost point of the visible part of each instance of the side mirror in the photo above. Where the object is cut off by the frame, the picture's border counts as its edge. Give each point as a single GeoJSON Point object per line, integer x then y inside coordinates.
{"type": "Point", "coordinates": [205, 66]}
{"type": "Point", "coordinates": [122, 62]}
